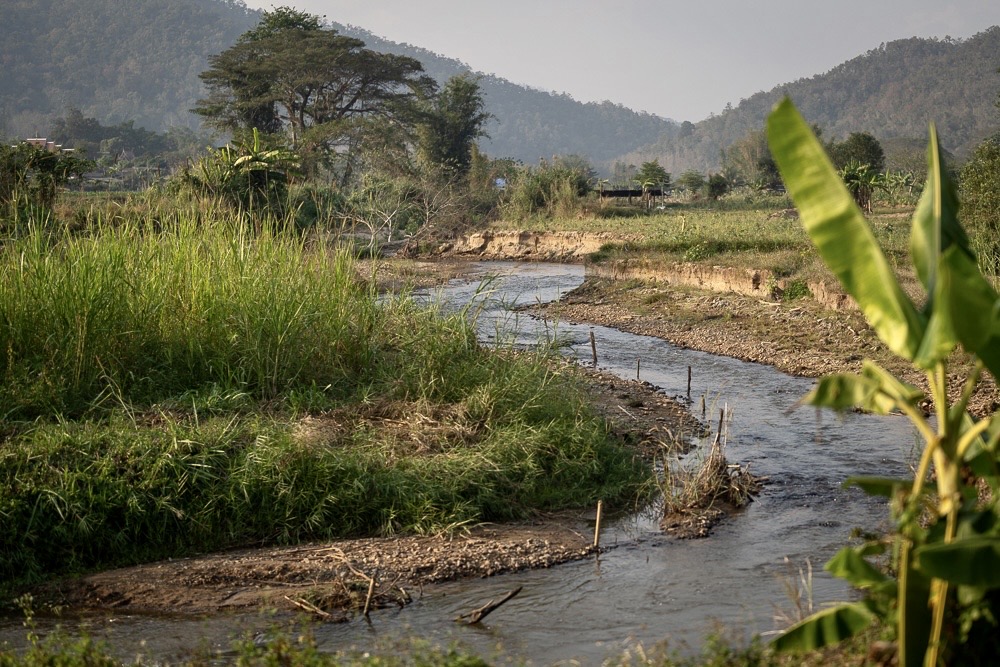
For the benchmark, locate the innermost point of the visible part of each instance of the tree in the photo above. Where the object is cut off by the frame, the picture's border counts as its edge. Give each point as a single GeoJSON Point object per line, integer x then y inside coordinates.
{"type": "Point", "coordinates": [249, 176]}
{"type": "Point", "coordinates": [452, 121]}
{"type": "Point", "coordinates": [750, 160]}
{"type": "Point", "coordinates": [980, 196]}
{"type": "Point", "coordinates": [32, 176]}
{"type": "Point", "coordinates": [862, 181]}
{"type": "Point", "coordinates": [652, 174]}
{"type": "Point", "coordinates": [692, 181]}
{"type": "Point", "coordinates": [717, 186]}
{"type": "Point", "coordinates": [290, 75]}
{"type": "Point", "coordinates": [859, 147]}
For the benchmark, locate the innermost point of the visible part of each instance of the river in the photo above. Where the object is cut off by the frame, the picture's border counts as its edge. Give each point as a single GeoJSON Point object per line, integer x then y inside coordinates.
{"type": "Point", "coordinates": [648, 587]}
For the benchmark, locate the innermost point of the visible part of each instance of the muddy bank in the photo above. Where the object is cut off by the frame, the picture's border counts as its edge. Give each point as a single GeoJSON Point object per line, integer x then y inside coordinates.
{"type": "Point", "coordinates": [800, 337]}
{"type": "Point", "coordinates": [535, 246]}
{"type": "Point", "coordinates": [759, 283]}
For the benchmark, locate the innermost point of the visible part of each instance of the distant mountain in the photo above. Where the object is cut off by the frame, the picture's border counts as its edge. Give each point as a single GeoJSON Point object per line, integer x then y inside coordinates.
{"type": "Point", "coordinates": [142, 64]}
{"type": "Point", "coordinates": [892, 92]}
{"type": "Point", "coordinates": [115, 61]}
{"type": "Point", "coordinates": [530, 124]}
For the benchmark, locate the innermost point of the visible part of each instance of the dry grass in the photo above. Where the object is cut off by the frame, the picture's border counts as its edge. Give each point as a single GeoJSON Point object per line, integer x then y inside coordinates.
{"type": "Point", "coordinates": [697, 499]}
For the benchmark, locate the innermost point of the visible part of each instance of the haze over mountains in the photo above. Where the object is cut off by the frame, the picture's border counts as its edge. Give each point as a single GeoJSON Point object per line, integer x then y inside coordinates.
{"type": "Point", "coordinates": [143, 65]}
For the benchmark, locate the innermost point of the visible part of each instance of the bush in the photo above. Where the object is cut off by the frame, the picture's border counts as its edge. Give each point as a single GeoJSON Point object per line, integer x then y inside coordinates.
{"type": "Point", "coordinates": [548, 191]}
{"type": "Point", "coordinates": [980, 196]}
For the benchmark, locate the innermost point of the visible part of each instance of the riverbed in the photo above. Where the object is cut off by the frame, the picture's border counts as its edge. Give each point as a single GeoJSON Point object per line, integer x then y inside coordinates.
{"type": "Point", "coordinates": [648, 587]}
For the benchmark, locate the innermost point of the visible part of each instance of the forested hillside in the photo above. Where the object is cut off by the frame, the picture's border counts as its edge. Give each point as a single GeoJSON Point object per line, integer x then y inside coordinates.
{"type": "Point", "coordinates": [114, 61]}
{"type": "Point", "coordinates": [892, 92]}
{"type": "Point", "coordinates": [143, 65]}
{"type": "Point", "coordinates": [531, 124]}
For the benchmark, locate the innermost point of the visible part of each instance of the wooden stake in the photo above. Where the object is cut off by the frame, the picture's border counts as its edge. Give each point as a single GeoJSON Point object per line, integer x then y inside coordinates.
{"type": "Point", "coordinates": [593, 346]}
{"type": "Point", "coordinates": [637, 360]}
{"type": "Point", "coordinates": [689, 383]}
{"type": "Point", "coordinates": [371, 592]}
{"type": "Point", "coordinates": [477, 615]}
{"type": "Point", "coordinates": [597, 525]}
{"type": "Point", "coordinates": [703, 406]}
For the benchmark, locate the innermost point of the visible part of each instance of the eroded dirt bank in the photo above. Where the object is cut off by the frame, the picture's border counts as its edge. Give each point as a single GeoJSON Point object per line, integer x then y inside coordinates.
{"type": "Point", "coordinates": [722, 310]}
{"type": "Point", "coordinates": [524, 245]}
{"type": "Point", "coordinates": [800, 337]}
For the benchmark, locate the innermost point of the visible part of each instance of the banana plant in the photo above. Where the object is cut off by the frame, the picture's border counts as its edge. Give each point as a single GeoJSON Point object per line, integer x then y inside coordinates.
{"type": "Point", "coordinates": [946, 541]}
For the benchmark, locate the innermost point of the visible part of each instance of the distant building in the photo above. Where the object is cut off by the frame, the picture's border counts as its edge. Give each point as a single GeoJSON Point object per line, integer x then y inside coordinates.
{"type": "Point", "coordinates": [45, 144]}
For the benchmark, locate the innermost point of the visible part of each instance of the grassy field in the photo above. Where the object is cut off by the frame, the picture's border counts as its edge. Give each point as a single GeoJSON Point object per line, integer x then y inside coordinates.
{"type": "Point", "coordinates": [163, 375]}
{"type": "Point", "coordinates": [756, 232]}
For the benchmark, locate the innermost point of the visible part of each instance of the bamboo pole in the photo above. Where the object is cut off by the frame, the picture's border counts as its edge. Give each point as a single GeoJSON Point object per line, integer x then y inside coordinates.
{"type": "Point", "coordinates": [597, 525]}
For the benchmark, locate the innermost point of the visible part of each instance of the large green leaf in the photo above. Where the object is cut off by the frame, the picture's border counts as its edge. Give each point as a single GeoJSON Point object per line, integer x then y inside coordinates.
{"type": "Point", "coordinates": [825, 628]}
{"type": "Point", "coordinates": [850, 565]}
{"type": "Point", "coordinates": [875, 390]}
{"type": "Point", "coordinates": [972, 306]}
{"type": "Point", "coordinates": [841, 233]}
{"type": "Point", "coordinates": [935, 222]}
{"type": "Point", "coordinates": [845, 392]}
{"type": "Point", "coordinates": [974, 561]}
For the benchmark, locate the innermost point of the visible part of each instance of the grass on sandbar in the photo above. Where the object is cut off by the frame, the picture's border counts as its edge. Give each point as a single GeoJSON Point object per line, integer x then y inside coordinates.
{"type": "Point", "coordinates": [195, 386]}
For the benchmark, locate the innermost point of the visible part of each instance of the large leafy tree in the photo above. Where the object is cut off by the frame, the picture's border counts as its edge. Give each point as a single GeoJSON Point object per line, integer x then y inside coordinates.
{"type": "Point", "coordinates": [452, 122]}
{"type": "Point", "coordinates": [653, 174]}
{"type": "Point", "coordinates": [289, 74]}
{"type": "Point", "coordinates": [749, 161]}
{"type": "Point", "coordinates": [859, 147]}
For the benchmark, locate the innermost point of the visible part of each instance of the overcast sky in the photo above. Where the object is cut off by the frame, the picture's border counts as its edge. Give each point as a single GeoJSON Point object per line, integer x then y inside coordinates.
{"type": "Point", "coordinates": [679, 59]}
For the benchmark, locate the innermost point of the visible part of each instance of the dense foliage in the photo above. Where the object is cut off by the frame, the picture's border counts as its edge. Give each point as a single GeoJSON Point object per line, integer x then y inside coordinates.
{"type": "Point", "coordinates": [31, 176]}
{"type": "Point", "coordinates": [143, 65]}
{"type": "Point", "coordinates": [980, 181]}
{"type": "Point", "coordinates": [157, 373]}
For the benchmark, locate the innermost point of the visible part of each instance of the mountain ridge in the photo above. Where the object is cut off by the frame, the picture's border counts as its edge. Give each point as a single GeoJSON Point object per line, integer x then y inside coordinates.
{"type": "Point", "coordinates": [143, 65]}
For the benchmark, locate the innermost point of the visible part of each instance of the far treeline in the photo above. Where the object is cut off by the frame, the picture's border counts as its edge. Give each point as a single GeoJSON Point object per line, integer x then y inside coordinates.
{"type": "Point", "coordinates": [328, 130]}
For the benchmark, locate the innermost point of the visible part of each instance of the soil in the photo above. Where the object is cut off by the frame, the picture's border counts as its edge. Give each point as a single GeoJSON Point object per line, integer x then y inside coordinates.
{"type": "Point", "coordinates": [800, 337]}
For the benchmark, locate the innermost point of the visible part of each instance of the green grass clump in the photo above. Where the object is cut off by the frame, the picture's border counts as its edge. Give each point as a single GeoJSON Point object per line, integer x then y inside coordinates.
{"type": "Point", "coordinates": [196, 387]}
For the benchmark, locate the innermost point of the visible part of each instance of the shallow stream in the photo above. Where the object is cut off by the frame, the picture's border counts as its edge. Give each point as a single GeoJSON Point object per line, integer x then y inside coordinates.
{"type": "Point", "coordinates": [648, 587]}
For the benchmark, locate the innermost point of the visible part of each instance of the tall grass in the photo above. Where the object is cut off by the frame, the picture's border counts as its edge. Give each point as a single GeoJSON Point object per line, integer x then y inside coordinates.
{"type": "Point", "coordinates": [126, 311]}
{"type": "Point", "coordinates": [188, 386]}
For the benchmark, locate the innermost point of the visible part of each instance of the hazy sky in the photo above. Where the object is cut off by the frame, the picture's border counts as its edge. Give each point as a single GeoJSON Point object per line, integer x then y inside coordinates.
{"type": "Point", "coordinates": [679, 59]}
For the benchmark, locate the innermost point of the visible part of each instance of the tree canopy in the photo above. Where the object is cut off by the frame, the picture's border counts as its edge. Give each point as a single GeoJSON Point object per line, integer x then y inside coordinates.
{"type": "Point", "coordinates": [291, 75]}
{"type": "Point", "coordinates": [451, 123]}
{"type": "Point", "coordinates": [651, 173]}
{"type": "Point", "coordinates": [860, 147]}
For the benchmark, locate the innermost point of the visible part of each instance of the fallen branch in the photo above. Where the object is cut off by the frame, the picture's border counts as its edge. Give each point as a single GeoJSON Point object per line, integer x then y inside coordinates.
{"type": "Point", "coordinates": [311, 608]}
{"type": "Point", "coordinates": [477, 615]}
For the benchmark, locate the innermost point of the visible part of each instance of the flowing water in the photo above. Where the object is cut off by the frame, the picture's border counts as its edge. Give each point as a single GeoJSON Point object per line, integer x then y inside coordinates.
{"type": "Point", "coordinates": [648, 587]}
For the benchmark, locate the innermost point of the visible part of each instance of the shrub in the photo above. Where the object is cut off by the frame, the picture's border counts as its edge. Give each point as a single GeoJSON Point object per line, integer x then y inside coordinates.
{"type": "Point", "coordinates": [980, 196]}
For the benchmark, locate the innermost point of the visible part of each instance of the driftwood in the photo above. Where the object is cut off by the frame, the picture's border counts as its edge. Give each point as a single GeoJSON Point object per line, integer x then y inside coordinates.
{"type": "Point", "coordinates": [311, 608]}
{"type": "Point", "coordinates": [477, 615]}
